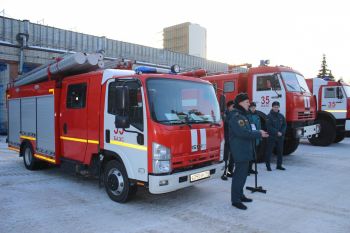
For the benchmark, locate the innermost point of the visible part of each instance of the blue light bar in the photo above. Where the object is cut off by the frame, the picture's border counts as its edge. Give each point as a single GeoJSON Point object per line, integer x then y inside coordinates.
{"type": "Point", "coordinates": [156, 70]}
{"type": "Point", "coordinates": [146, 70]}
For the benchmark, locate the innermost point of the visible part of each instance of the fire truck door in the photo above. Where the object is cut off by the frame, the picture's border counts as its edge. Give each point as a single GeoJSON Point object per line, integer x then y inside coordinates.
{"type": "Point", "coordinates": [130, 143]}
{"type": "Point", "coordinates": [267, 88]}
{"type": "Point", "coordinates": [334, 101]}
{"type": "Point", "coordinates": [73, 119]}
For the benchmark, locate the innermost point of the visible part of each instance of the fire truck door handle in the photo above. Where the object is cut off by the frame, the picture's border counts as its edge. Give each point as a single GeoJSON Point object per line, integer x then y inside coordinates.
{"type": "Point", "coordinates": [65, 128]}
{"type": "Point", "coordinates": [108, 136]}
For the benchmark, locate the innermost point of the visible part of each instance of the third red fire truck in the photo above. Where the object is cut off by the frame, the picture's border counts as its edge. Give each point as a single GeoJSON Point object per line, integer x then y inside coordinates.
{"type": "Point", "coordinates": [266, 84]}
{"type": "Point", "coordinates": [333, 110]}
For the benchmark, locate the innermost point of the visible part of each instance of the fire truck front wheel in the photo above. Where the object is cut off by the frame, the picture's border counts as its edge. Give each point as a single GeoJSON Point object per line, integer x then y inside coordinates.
{"type": "Point", "coordinates": [30, 162]}
{"type": "Point", "coordinates": [326, 136]}
{"type": "Point", "coordinates": [339, 136]}
{"type": "Point", "coordinates": [116, 182]}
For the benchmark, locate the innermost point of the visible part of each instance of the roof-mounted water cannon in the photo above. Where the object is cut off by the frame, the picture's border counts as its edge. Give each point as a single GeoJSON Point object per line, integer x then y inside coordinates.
{"type": "Point", "coordinates": [264, 62]}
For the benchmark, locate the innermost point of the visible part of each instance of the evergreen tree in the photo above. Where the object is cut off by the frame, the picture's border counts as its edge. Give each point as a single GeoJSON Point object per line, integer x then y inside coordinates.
{"type": "Point", "coordinates": [324, 72]}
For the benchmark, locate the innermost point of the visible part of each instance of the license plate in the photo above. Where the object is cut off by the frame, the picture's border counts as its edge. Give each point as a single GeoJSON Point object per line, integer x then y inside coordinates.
{"type": "Point", "coordinates": [199, 176]}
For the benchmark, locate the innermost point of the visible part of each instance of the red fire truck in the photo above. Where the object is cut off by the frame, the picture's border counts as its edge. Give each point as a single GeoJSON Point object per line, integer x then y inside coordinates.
{"type": "Point", "coordinates": [333, 110]}
{"type": "Point", "coordinates": [145, 127]}
{"type": "Point", "coordinates": [266, 84]}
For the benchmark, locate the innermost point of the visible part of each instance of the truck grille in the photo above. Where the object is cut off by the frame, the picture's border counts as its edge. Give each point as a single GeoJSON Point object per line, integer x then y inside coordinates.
{"type": "Point", "coordinates": [307, 115]}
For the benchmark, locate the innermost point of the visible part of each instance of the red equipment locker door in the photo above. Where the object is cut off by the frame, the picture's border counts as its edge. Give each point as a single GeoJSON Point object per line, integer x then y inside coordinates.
{"type": "Point", "coordinates": [73, 119]}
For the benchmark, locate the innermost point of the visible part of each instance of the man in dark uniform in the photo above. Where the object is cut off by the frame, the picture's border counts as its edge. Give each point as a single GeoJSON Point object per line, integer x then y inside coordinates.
{"type": "Point", "coordinates": [241, 143]}
{"type": "Point", "coordinates": [227, 154]}
{"type": "Point", "coordinates": [276, 127]}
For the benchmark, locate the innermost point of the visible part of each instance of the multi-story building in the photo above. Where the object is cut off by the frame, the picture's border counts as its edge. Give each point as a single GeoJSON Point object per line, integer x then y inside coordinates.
{"type": "Point", "coordinates": [186, 38]}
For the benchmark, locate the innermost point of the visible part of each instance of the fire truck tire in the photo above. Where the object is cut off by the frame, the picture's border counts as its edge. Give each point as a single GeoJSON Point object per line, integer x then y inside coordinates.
{"type": "Point", "coordinates": [117, 182]}
{"type": "Point", "coordinates": [290, 145]}
{"type": "Point", "coordinates": [339, 137]}
{"type": "Point", "coordinates": [326, 136]}
{"type": "Point", "coordinates": [30, 162]}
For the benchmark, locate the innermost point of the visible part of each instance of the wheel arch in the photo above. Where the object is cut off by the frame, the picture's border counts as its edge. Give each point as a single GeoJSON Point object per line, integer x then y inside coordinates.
{"type": "Point", "coordinates": [111, 155]}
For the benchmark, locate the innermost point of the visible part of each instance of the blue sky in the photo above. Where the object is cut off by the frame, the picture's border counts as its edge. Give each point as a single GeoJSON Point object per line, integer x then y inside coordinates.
{"type": "Point", "coordinates": [292, 33]}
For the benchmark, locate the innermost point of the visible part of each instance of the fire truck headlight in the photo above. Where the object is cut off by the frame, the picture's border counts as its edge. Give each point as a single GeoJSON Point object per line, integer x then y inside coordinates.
{"type": "Point", "coordinates": [299, 133]}
{"type": "Point", "coordinates": [161, 158]}
{"type": "Point", "coordinates": [222, 148]}
{"type": "Point", "coordinates": [318, 128]}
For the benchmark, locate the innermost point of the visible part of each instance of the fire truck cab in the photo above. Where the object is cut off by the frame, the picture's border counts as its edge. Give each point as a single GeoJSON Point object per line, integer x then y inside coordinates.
{"type": "Point", "coordinates": [266, 84]}
{"type": "Point", "coordinates": [333, 110]}
{"type": "Point", "coordinates": [128, 127]}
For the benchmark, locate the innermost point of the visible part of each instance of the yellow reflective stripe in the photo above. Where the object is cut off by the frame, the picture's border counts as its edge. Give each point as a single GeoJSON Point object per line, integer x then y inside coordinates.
{"type": "Point", "coordinates": [336, 110]}
{"type": "Point", "coordinates": [27, 137]}
{"type": "Point", "coordinates": [14, 149]}
{"type": "Point", "coordinates": [138, 147]}
{"type": "Point", "coordinates": [44, 158]}
{"type": "Point", "coordinates": [74, 139]}
{"type": "Point", "coordinates": [92, 141]}
{"type": "Point", "coordinates": [52, 91]}
{"type": "Point", "coordinates": [79, 140]}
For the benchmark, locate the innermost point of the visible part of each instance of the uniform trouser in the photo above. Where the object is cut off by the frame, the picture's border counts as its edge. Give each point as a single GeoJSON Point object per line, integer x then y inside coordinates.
{"type": "Point", "coordinates": [239, 178]}
{"type": "Point", "coordinates": [271, 144]}
{"type": "Point", "coordinates": [228, 159]}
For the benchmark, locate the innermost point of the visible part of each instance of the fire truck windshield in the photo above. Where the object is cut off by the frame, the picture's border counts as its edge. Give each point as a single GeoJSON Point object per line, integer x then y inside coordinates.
{"type": "Point", "coordinates": [295, 82]}
{"type": "Point", "coordinates": [347, 91]}
{"type": "Point", "coordinates": [174, 101]}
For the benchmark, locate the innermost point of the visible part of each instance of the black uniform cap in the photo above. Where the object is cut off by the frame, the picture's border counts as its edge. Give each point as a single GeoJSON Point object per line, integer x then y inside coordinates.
{"type": "Point", "coordinates": [276, 103]}
{"type": "Point", "coordinates": [241, 97]}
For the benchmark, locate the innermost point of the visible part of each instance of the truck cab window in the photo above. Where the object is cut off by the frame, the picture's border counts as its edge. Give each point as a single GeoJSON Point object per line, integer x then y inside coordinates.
{"type": "Point", "coordinates": [76, 96]}
{"type": "Point", "coordinates": [229, 87]}
{"type": "Point", "coordinates": [329, 93]}
{"type": "Point", "coordinates": [267, 83]}
{"type": "Point", "coordinates": [135, 110]}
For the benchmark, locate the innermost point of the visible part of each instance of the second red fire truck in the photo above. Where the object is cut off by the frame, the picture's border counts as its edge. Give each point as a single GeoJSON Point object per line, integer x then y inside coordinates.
{"type": "Point", "coordinates": [266, 84]}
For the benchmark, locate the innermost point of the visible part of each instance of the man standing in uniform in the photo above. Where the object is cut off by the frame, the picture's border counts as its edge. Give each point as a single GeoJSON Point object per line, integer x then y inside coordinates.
{"type": "Point", "coordinates": [241, 143]}
{"type": "Point", "coordinates": [276, 127]}
{"type": "Point", "coordinates": [227, 154]}
{"type": "Point", "coordinates": [254, 120]}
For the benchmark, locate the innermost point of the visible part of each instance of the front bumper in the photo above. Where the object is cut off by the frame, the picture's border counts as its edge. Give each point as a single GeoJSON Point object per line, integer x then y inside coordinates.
{"type": "Point", "coordinates": [182, 179]}
{"type": "Point", "coordinates": [347, 125]}
{"type": "Point", "coordinates": [307, 131]}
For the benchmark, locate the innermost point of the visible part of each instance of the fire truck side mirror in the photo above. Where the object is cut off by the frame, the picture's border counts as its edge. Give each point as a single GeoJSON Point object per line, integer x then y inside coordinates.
{"type": "Point", "coordinates": [339, 93]}
{"type": "Point", "coordinates": [122, 106]}
{"type": "Point", "coordinates": [222, 103]}
{"type": "Point", "coordinates": [122, 98]}
{"type": "Point", "coordinates": [274, 81]}
{"type": "Point", "coordinates": [122, 122]}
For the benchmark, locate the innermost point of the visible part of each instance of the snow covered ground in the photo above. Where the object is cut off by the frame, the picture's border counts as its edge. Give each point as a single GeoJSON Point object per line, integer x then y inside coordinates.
{"type": "Point", "coordinates": [312, 195]}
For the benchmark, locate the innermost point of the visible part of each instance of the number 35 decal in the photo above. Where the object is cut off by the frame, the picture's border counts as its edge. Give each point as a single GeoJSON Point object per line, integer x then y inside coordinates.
{"type": "Point", "coordinates": [265, 100]}
{"type": "Point", "coordinates": [331, 104]}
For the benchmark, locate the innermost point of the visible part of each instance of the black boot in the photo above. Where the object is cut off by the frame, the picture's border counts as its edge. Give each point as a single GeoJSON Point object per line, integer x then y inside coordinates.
{"type": "Point", "coordinates": [268, 167]}
{"type": "Point", "coordinates": [239, 205]}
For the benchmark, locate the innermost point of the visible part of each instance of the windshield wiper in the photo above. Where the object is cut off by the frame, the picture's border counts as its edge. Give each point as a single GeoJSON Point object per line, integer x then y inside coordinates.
{"type": "Point", "coordinates": [205, 122]}
{"type": "Point", "coordinates": [303, 89]}
{"type": "Point", "coordinates": [291, 86]}
{"type": "Point", "coordinates": [172, 122]}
